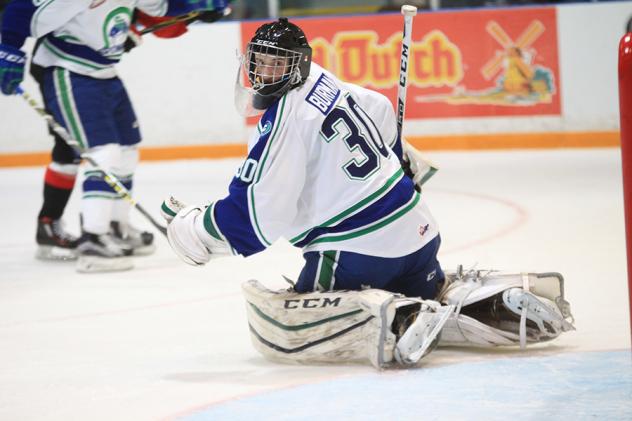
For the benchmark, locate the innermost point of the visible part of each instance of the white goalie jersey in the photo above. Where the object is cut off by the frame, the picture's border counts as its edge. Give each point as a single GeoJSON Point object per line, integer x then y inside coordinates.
{"type": "Point", "coordinates": [321, 173]}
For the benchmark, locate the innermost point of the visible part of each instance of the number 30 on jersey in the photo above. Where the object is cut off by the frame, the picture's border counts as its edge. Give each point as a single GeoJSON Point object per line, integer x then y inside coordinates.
{"type": "Point", "coordinates": [360, 134]}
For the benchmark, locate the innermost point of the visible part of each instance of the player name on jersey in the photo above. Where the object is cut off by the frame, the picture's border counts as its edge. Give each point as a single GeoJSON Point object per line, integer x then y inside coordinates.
{"type": "Point", "coordinates": [324, 94]}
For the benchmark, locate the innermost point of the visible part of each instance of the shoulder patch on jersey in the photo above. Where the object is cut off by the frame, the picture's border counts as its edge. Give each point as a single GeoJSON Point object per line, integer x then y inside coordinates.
{"type": "Point", "coordinates": [265, 128]}
{"type": "Point", "coordinates": [324, 94]}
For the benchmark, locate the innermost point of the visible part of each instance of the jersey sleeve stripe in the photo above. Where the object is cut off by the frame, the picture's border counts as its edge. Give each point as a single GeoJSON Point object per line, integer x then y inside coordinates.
{"type": "Point", "coordinates": [266, 152]}
{"type": "Point", "coordinates": [251, 188]}
{"type": "Point", "coordinates": [209, 224]}
{"type": "Point", "coordinates": [356, 207]}
{"type": "Point", "coordinates": [253, 217]}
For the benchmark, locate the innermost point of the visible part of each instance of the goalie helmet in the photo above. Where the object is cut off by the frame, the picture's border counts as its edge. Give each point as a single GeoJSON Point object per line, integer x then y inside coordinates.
{"type": "Point", "coordinates": [277, 60]}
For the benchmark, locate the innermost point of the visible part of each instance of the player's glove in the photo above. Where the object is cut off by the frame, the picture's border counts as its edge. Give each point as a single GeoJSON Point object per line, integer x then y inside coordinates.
{"type": "Point", "coordinates": [187, 234]}
{"type": "Point", "coordinates": [12, 62]}
{"type": "Point", "coordinates": [415, 166]}
{"type": "Point", "coordinates": [181, 7]}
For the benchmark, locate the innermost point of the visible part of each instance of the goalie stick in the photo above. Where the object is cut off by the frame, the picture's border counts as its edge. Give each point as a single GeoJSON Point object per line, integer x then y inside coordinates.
{"type": "Point", "coordinates": [107, 176]}
{"type": "Point", "coordinates": [409, 13]}
{"type": "Point", "coordinates": [425, 169]}
{"type": "Point", "coordinates": [191, 16]}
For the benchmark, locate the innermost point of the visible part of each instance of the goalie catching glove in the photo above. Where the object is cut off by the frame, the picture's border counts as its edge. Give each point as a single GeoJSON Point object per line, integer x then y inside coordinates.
{"type": "Point", "coordinates": [191, 232]}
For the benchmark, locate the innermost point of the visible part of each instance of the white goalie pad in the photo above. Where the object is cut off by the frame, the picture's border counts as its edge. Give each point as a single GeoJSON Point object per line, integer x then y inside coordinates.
{"type": "Point", "coordinates": [494, 308]}
{"type": "Point", "coordinates": [339, 326]}
{"type": "Point", "coordinates": [326, 327]}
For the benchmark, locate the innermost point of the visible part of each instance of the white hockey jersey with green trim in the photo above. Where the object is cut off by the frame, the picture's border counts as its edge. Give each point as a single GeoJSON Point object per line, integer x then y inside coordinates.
{"type": "Point", "coordinates": [320, 172]}
{"type": "Point", "coordinates": [86, 36]}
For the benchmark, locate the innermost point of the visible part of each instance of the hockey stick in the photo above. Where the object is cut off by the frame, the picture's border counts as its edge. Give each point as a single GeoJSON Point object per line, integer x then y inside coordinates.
{"type": "Point", "coordinates": [107, 176]}
{"type": "Point", "coordinates": [183, 18]}
{"type": "Point", "coordinates": [425, 169]}
{"type": "Point", "coordinates": [409, 13]}
{"type": "Point", "coordinates": [191, 16]}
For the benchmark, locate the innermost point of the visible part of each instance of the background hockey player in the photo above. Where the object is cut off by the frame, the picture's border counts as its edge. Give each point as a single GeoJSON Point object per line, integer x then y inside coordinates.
{"type": "Point", "coordinates": [323, 172]}
{"type": "Point", "coordinates": [81, 41]}
{"type": "Point", "coordinates": [53, 241]}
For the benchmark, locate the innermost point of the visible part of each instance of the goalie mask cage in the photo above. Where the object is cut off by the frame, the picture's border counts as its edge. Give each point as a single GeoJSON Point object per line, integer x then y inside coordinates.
{"type": "Point", "coordinates": [625, 108]}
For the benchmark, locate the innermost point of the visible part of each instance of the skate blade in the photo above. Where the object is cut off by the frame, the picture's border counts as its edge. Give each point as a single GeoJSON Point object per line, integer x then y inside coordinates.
{"type": "Point", "coordinates": [144, 250]}
{"type": "Point", "coordinates": [96, 264]}
{"type": "Point", "coordinates": [55, 253]}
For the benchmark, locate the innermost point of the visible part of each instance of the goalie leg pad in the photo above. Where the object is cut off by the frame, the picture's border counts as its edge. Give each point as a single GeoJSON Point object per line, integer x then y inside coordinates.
{"type": "Point", "coordinates": [342, 326]}
{"type": "Point", "coordinates": [504, 309]}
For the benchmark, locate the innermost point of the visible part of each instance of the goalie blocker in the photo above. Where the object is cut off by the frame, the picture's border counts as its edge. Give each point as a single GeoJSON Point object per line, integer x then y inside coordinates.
{"type": "Point", "coordinates": [477, 308]}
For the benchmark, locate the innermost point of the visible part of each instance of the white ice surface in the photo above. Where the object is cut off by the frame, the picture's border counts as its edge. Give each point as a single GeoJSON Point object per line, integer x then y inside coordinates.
{"type": "Point", "coordinates": [166, 340]}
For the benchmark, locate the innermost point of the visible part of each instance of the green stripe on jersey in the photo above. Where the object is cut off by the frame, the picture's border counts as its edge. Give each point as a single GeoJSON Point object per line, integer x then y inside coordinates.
{"type": "Point", "coordinates": [209, 224]}
{"type": "Point", "coordinates": [371, 228]}
{"type": "Point", "coordinates": [356, 207]}
{"type": "Point", "coordinates": [260, 170]}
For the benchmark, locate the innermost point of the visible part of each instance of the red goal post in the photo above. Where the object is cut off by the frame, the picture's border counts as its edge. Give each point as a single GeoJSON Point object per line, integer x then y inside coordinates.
{"type": "Point", "coordinates": [625, 113]}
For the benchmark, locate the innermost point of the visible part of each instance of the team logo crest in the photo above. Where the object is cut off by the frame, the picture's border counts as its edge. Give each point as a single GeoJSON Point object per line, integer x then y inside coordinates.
{"type": "Point", "coordinates": [265, 129]}
{"type": "Point", "coordinates": [115, 31]}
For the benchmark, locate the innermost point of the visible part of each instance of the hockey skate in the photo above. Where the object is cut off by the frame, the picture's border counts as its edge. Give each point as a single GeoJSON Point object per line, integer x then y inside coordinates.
{"type": "Point", "coordinates": [419, 330]}
{"type": "Point", "coordinates": [140, 242]}
{"type": "Point", "coordinates": [498, 309]}
{"type": "Point", "coordinates": [540, 319]}
{"type": "Point", "coordinates": [54, 243]}
{"type": "Point", "coordinates": [102, 253]}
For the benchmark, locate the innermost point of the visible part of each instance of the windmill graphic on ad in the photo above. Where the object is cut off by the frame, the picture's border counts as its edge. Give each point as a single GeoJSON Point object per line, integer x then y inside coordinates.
{"type": "Point", "coordinates": [516, 80]}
